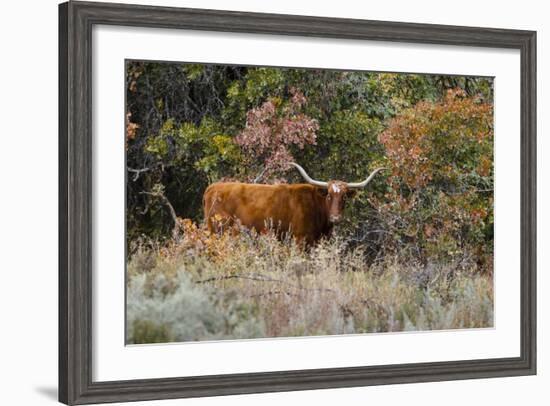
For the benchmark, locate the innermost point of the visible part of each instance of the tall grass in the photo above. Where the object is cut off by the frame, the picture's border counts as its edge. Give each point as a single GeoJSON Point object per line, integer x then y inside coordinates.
{"type": "Point", "coordinates": [208, 287]}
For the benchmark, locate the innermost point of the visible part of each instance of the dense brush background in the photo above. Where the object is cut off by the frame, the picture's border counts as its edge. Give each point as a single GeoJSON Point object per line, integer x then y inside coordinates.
{"type": "Point", "coordinates": [414, 253]}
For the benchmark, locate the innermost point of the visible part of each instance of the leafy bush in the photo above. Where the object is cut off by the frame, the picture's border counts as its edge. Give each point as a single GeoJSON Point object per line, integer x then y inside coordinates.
{"type": "Point", "coordinates": [271, 130]}
{"type": "Point", "coordinates": [188, 125]}
{"type": "Point", "coordinates": [439, 199]}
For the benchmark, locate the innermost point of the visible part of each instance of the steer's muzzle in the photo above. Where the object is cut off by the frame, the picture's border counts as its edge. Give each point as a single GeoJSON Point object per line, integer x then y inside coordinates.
{"type": "Point", "coordinates": [335, 219]}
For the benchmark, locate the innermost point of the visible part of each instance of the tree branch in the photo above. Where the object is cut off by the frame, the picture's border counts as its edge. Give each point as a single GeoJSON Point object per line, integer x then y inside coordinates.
{"type": "Point", "coordinates": [137, 172]}
{"type": "Point", "coordinates": [261, 278]}
{"type": "Point", "coordinates": [164, 199]}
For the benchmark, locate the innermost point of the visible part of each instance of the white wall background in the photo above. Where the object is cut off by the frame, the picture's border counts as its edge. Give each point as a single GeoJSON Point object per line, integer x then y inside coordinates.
{"type": "Point", "coordinates": [28, 200]}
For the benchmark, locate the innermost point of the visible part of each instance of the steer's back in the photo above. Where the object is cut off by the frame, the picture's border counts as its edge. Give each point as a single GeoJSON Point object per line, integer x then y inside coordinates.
{"type": "Point", "coordinates": [286, 208]}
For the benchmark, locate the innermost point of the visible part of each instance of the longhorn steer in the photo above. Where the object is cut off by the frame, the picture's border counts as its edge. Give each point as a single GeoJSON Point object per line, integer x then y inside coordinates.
{"type": "Point", "coordinates": [307, 211]}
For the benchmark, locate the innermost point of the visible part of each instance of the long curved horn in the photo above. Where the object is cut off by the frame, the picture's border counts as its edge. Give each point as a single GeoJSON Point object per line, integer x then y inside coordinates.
{"type": "Point", "coordinates": [306, 176]}
{"type": "Point", "coordinates": [366, 181]}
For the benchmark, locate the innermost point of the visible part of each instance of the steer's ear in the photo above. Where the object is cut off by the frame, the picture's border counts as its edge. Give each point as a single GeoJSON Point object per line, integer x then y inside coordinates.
{"type": "Point", "coordinates": [351, 193]}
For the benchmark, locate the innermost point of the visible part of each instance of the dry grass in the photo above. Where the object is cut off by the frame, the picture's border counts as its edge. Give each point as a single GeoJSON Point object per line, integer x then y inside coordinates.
{"type": "Point", "coordinates": [206, 287]}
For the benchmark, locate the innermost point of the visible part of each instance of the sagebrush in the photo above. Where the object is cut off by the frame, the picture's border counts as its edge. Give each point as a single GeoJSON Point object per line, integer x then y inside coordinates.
{"type": "Point", "coordinates": [209, 287]}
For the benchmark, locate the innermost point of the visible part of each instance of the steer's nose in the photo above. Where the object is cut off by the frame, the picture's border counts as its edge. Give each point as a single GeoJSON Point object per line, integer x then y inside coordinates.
{"type": "Point", "coordinates": [335, 219]}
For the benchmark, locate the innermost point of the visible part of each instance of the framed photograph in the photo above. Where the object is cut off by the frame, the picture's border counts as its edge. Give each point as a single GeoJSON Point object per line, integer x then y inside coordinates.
{"type": "Point", "coordinates": [258, 202]}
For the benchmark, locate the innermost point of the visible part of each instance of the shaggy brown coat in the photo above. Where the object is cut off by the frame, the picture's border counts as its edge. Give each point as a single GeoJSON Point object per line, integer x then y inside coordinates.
{"type": "Point", "coordinates": [307, 212]}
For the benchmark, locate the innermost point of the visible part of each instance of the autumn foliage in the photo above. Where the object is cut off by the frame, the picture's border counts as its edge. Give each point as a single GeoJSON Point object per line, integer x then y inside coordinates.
{"type": "Point", "coordinates": [271, 129]}
{"type": "Point", "coordinates": [439, 199]}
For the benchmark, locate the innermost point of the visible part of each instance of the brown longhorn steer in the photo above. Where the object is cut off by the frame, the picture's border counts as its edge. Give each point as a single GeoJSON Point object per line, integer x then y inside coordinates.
{"type": "Point", "coordinates": [307, 211]}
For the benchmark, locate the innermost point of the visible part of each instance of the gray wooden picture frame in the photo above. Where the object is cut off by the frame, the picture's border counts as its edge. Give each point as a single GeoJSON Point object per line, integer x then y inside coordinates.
{"type": "Point", "coordinates": [76, 20]}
